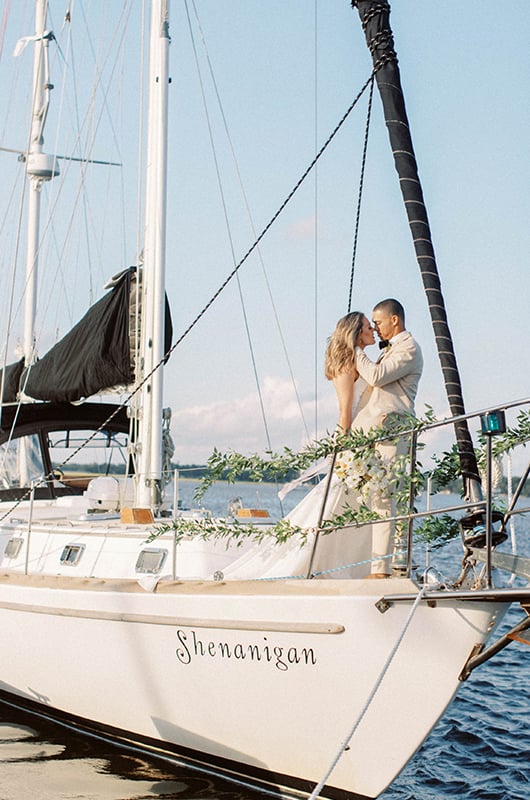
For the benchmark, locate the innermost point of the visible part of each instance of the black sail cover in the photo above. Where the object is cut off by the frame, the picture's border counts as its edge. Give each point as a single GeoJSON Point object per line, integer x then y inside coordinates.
{"type": "Point", "coordinates": [10, 381]}
{"type": "Point", "coordinates": [94, 355]}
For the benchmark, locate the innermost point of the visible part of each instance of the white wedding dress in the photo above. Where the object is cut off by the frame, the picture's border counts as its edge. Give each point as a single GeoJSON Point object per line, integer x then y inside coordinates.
{"type": "Point", "coordinates": [345, 553]}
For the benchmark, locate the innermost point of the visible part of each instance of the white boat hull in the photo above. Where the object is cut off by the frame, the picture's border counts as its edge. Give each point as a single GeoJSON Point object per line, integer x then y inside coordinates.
{"type": "Point", "coordinates": [265, 679]}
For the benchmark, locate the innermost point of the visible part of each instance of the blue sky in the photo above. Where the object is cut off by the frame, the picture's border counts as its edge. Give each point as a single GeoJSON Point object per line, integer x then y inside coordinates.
{"type": "Point", "coordinates": [286, 70]}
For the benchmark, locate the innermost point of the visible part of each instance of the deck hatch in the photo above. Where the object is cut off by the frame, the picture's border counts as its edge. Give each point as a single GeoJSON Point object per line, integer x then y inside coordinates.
{"type": "Point", "coordinates": [151, 560]}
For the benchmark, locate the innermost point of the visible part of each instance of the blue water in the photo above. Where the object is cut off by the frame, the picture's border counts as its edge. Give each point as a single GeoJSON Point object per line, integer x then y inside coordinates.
{"type": "Point", "coordinates": [480, 749]}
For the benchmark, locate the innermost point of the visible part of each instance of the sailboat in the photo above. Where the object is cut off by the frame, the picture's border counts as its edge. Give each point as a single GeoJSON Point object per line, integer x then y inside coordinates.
{"type": "Point", "coordinates": [289, 681]}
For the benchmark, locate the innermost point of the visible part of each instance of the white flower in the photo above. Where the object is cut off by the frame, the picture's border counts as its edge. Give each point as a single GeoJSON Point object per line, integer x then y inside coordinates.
{"type": "Point", "coordinates": [368, 473]}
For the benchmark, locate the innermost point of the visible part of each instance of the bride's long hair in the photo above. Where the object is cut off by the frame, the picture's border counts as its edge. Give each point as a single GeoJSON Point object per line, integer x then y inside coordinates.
{"type": "Point", "coordinates": [340, 352]}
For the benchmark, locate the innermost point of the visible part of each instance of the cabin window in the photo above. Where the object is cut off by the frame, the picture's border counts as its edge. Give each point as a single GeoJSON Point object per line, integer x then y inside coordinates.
{"type": "Point", "coordinates": [71, 554]}
{"type": "Point", "coordinates": [20, 462]}
{"type": "Point", "coordinates": [12, 548]}
{"type": "Point", "coordinates": [79, 456]}
{"type": "Point", "coordinates": [151, 560]}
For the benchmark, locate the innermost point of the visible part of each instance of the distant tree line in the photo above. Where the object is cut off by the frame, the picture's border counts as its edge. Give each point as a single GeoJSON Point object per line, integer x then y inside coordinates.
{"type": "Point", "coordinates": [197, 471]}
{"type": "Point", "coordinates": [455, 487]}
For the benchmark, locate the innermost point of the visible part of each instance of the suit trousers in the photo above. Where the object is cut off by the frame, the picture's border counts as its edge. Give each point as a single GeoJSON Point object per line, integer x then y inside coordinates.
{"type": "Point", "coordinates": [384, 505]}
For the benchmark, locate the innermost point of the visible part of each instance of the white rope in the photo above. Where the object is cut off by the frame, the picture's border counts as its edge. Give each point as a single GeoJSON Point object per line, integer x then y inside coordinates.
{"type": "Point", "coordinates": [316, 791]}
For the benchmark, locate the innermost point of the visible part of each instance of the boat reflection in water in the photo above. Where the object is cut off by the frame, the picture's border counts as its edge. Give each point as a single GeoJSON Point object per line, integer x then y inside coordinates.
{"type": "Point", "coordinates": [42, 759]}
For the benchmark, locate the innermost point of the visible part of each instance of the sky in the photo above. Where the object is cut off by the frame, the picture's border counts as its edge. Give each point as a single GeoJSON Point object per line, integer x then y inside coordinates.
{"type": "Point", "coordinates": [285, 72]}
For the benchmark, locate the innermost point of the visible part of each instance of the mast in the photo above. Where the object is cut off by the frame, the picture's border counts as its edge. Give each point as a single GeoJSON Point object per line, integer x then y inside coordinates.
{"type": "Point", "coordinates": [39, 168]}
{"type": "Point", "coordinates": [375, 20]}
{"type": "Point", "coordinates": [153, 271]}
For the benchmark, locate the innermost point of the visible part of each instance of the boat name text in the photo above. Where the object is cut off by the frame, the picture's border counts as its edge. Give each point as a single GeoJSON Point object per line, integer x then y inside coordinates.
{"type": "Point", "coordinates": [191, 647]}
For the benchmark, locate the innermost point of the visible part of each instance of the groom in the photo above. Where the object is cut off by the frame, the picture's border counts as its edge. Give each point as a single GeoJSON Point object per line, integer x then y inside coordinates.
{"type": "Point", "coordinates": [392, 384]}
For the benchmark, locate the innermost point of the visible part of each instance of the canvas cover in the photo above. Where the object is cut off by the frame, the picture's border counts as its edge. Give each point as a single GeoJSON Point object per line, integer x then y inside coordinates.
{"type": "Point", "coordinates": [94, 355]}
{"type": "Point", "coordinates": [10, 381]}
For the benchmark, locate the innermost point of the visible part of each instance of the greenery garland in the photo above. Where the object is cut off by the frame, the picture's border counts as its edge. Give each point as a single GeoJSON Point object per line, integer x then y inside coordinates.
{"type": "Point", "coordinates": [401, 480]}
{"type": "Point", "coordinates": [276, 466]}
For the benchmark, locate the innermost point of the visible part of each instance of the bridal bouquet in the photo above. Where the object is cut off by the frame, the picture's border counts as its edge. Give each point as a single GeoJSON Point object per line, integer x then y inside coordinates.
{"type": "Point", "coordinates": [368, 473]}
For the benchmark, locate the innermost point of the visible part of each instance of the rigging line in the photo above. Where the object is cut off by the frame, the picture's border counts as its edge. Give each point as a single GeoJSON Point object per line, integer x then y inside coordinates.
{"type": "Point", "coordinates": [3, 26]}
{"type": "Point", "coordinates": [199, 316]}
{"type": "Point", "coordinates": [269, 225]}
{"type": "Point", "coordinates": [228, 228]}
{"type": "Point", "coordinates": [84, 197]}
{"type": "Point", "coordinates": [316, 791]}
{"type": "Point", "coordinates": [17, 91]}
{"type": "Point", "coordinates": [84, 165]}
{"type": "Point", "coordinates": [23, 157]}
{"type": "Point", "coordinates": [128, 398]}
{"type": "Point", "coordinates": [59, 269]}
{"type": "Point", "coordinates": [315, 240]}
{"type": "Point", "coordinates": [253, 228]}
{"type": "Point", "coordinates": [361, 186]}
{"type": "Point", "coordinates": [137, 291]}
{"type": "Point", "coordinates": [11, 305]}
{"type": "Point", "coordinates": [49, 229]}
{"type": "Point", "coordinates": [12, 311]}
{"type": "Point", "coordinates": [137, 389]}
{"type": "Point", "coordinates": [118, 36]}
{"type": "Point", "coordinates": [121, 26]}
{"type": "Point", "coordinates": [122, 178]}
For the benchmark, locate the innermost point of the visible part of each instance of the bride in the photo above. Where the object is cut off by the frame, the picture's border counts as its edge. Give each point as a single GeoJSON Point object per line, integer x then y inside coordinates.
{"type": "Point", "coordinates": [353, 330]}
{"type": "Point", "coordinates": [325, 555]}
{"type": "Point", "coordinates": [333, 494]}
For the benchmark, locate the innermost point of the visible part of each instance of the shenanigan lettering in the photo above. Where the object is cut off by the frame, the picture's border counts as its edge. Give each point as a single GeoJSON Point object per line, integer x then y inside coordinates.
{"type": "Point", "coordinates": [191, 646]}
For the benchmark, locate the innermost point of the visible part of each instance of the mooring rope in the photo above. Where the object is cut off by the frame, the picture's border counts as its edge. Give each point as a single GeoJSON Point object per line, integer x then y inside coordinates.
{"type": "Point", "coordinates": [316, 791]}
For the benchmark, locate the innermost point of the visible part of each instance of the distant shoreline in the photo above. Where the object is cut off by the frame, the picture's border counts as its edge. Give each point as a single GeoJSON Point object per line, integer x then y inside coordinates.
{"type": "Point", "coordinates": [236, 482]}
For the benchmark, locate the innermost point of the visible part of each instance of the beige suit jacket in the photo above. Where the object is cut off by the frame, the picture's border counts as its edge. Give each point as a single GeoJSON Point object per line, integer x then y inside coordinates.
{"type": "Point", "coordinates": [392, 381]}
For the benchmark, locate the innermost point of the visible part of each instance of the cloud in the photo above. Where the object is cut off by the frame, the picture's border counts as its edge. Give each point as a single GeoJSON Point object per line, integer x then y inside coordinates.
{"type": "Point", "coordinates": [237, 423]}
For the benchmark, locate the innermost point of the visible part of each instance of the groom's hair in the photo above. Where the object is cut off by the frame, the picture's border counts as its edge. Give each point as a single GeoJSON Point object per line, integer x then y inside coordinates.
{"type": "Point", "coordinates": [392, 307]}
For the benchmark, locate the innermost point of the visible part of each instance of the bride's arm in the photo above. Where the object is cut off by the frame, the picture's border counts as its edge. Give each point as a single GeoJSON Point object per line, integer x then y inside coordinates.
{"type": "Point", "coordinates": [344, 385]}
